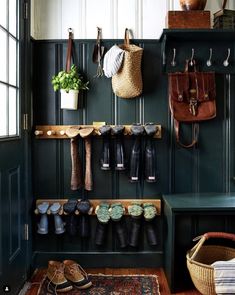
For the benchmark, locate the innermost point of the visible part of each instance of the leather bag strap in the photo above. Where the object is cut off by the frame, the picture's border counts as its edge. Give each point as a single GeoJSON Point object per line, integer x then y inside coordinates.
{"type": "Point", "coordinates": [195, 134]}
{"type": "Point", "coordinates": [69, 51]}
{"type": "Point", "coordinates": [127, 37]}
{"type": "Point", "coordinates": [224, 4]}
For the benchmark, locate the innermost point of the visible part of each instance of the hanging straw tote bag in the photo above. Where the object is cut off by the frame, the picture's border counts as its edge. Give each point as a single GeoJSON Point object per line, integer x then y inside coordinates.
{"type": "Point", "coordinates": [127, 83]}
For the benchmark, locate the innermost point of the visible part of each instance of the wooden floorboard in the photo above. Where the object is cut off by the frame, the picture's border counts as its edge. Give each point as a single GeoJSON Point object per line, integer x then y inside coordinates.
{"type": "Point", "coordinates": [39, 274]}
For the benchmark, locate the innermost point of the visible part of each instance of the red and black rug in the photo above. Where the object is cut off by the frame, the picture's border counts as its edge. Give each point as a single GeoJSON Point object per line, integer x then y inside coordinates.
{"type": "Point", "coordinates": [115, 285]}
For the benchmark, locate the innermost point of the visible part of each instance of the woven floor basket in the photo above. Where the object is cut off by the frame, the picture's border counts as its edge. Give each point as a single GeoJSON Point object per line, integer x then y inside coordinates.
{"type": "Point", "coordinates": [200, 257]}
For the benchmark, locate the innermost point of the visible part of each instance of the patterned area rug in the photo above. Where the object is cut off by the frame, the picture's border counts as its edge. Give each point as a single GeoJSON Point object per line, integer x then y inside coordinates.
{"type": "Point", "coordinates": [115, 285]}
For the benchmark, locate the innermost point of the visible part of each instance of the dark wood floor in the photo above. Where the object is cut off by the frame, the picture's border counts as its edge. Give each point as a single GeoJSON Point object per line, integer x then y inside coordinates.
{"type": "Point", "coordinates": [154, 271]}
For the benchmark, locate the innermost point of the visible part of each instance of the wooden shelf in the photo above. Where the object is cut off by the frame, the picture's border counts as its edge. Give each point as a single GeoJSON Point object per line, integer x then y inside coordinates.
{"type": "Point", "coordinates": [96, 202]}
{"type": "Point", "coordinates": [58, 131]}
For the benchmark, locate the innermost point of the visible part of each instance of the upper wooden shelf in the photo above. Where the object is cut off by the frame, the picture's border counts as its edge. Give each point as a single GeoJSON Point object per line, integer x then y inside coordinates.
{"type": "Point", "coordinates": [58, 131]}
{"type": "Point", "coordinates": [199, 34]}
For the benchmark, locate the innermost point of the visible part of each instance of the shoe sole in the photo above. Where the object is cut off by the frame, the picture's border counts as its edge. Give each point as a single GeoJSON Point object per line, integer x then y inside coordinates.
{"type": "Point", "coordinates": [69, 288]}
{"type": "Point", "coordinates": [84, 286]}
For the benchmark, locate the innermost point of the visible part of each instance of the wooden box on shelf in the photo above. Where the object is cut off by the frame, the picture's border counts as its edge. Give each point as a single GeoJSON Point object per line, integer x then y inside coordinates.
{"type": "Point", "coordinates": [194, 19]}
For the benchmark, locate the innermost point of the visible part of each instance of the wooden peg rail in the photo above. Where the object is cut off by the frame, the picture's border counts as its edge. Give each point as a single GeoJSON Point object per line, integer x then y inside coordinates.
{"type": "Point", "coordinates": [58, 131]}
{"type": "Point", "coordinates": [96, 202]}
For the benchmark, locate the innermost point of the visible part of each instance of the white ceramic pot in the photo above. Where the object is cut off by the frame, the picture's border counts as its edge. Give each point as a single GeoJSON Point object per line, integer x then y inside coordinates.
{"type": "Point", "coordinates": [69, 100]}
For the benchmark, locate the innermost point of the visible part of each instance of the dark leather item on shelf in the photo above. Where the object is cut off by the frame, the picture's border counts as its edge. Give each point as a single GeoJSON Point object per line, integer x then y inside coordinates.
{"type": "Point", "coordinates": [119, 155]}
{"type": "Point", "coordinates": [105, 154]}
{"type": "Point", "coordinates": [191, 98]}
{"type": "Point", "coordinates": [150, 153]}
{"type": "Point", "coordinates": [135, 161]}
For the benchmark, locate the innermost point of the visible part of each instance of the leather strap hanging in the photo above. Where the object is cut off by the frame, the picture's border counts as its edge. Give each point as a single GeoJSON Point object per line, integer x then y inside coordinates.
{"type": "Point", "coordinates": [194, 137]}
{"type": "Point", "coordinates": [224, 4]}
{"type": "Point", "coordinates": [69, 50]}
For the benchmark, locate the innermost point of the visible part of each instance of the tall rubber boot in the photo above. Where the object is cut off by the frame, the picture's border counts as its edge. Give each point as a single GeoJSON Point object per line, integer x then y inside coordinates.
{"type": "Point", "coordinates": [84, 207]}
{"type": "Point", "coordinates": [135, 211]}
{"type": "Point", "coordinates": [59, 224]}
{"type": "Point", "coordinates": [117, 212]}
{"type": "Point", "coordinates": [137, 130]}
{"type": "Point", "coordinates": [150, 153]}
{"type": "Point", "coordinates": [119, 155]}
{"type": "Point", "coordinates": [105, 154]}
{"type": "Point", "coordinates": [150, 213]}
{"type": "Point", "coordinates": [103, 217]}
{"type": "Point", "coordinates": [71, 219]}
{"type": "Point", "coordinates": [43, 223]}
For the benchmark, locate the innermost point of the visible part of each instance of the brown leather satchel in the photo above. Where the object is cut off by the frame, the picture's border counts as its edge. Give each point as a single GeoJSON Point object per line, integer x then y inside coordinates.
{"type": "Point", "coordinates": [191, 99]}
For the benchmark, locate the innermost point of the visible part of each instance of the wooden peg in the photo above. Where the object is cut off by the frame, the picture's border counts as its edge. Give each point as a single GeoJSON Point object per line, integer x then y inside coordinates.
{"type": "Point", "coordinates": [36, 211]}
{"type": "Point", "coordinates": [50, 132]}
{"type": "Point", "coordinates": [62, 132]}
{"type": "Point", "coordinates": [38, 132]}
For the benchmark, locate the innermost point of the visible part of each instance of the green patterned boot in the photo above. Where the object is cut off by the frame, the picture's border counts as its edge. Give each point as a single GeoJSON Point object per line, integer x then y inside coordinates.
{"type": "Point", "coordinates": [135, 210]}
{"type": "Point", "coordinates": [150, 211]}
{"type": "Point", "coordinates": [102, 212]}
{"type": "Point", "coordinates": [116, 211]}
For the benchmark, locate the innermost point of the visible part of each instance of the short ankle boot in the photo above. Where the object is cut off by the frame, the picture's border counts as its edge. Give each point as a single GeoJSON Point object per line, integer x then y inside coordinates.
{"type": "Point", "coordinates": [137, 130]}
{"type": "Point", "coordinates": [119, 154]}
{"type": "Point", "coordinates": [150, 153]}
{"type": "Point", "coordinates": [56, 281]}
{"type": "Point", "coordinates": [76, 275]}
{"type": "Point", "coordinates": [59, 224]}
{"type": "Point", "coordinates": [71, 223]}
{"type": "Point", "coordinates": [43, 224]}
{"type": "Point", "coordinates": [105, 154]}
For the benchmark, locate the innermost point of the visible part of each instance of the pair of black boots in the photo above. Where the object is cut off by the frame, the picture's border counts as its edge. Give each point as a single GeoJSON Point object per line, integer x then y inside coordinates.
{"type": "Point", "coordinates": [74, 224]}
{"type": "Point", "coordinates": [133, 237]}
{"type": "Point", "coordinates": [119, 155]}
{"type": "Point", "coordinates": [137, 130]}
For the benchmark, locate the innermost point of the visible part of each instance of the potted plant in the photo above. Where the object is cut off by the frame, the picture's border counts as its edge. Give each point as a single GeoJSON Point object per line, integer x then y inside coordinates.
{"type": "Point", "coordinates": [69, 83]}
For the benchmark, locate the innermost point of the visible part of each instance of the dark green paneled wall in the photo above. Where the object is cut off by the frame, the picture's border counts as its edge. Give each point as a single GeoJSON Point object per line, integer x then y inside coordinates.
{"type": "Point", "coordinates": [206, 168]}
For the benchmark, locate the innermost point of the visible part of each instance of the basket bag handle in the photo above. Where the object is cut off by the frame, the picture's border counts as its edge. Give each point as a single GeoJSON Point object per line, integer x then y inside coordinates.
{"type": "Point", "coordinates": [69, 50]}
{"type": "Point", "coordinates": [208, 236]}
{"type": "Point", "coordinates": [127, 37]}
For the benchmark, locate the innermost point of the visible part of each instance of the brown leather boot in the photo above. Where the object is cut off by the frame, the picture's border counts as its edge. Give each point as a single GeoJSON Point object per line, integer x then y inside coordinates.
{"type": "Point", "coordinates": [76, 275]}
{"type": "Point", "coordinates": [56, 279]}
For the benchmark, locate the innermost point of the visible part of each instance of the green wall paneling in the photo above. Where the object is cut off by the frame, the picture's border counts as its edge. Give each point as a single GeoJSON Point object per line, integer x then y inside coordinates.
{"type": "Point", "coordinates": [179, 170]}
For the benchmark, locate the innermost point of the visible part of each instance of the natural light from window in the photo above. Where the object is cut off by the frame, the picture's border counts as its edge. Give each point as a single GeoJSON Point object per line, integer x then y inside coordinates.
{"type": "Point", "coordinates": [9, 69]}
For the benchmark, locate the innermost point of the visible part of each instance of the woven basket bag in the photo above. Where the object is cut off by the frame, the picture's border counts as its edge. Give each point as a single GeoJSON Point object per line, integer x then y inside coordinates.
{"type": "Point", "coordinates": [127, 83]}
{"type": "Point", "coordinates": [200, 258]}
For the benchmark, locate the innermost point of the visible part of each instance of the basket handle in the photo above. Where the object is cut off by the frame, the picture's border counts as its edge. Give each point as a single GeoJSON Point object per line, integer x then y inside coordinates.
{"type": "Point", "coordinates": [207, 236]}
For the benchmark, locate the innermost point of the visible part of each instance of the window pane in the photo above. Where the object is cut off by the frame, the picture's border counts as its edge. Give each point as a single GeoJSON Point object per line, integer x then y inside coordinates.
{"type": "Point", "coordinates": [3, 110]}
{"type": "Point", "coordinates": [3, 56]}
{"type": "Point", "coordinates": [12, 17]}
{"type": "Point", "coordinates": [12, 61]}
{"type": "Point", "coordinates": [3, 13]}
{"type": "Point", "coordinates": [12, 111]}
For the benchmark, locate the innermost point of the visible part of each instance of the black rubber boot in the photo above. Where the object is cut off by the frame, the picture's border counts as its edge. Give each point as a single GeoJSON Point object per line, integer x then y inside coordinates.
{"type": "Point", "coordinates": [71, 219]}
{"type": "Point", "coordinates": [84, 207]}
{"type": "Point", "coordinates": [100, 234]}
{"type": "Point", "coordinates": [119, 155]}
{"type": "Point", "coordinates": [151, 233]}
{"type": "Point", "coordinates": [121, 232]}
{"type": "Point", "coordinates": [137, 130]}
{"type": "Point", "coordinates": [150, 153]}
{"type": "Point", "coordinates": [134, 236]}
{"type": "Point", "coordinates": [105, 154]}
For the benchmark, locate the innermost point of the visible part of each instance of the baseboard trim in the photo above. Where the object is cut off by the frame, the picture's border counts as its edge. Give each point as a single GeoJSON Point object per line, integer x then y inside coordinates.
{"type": "Point", "coordinates": [105, 259]}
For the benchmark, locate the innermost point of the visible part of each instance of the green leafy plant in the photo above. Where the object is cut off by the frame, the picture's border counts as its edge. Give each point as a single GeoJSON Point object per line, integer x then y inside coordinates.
{"type": "Point", "coordinates": [69, 80]}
